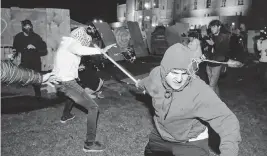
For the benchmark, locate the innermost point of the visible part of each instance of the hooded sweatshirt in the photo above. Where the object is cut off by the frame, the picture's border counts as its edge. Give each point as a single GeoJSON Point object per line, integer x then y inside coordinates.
{"type": "Point", "coordinates": [178, 113]}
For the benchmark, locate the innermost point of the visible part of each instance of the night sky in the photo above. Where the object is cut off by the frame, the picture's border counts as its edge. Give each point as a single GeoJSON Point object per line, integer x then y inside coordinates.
{"type": "Point", "coordinates": [80, 10]}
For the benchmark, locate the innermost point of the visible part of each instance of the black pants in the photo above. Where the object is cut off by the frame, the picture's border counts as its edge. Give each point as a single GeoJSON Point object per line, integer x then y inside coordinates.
{"type": "Point", "coordinates": [36, 66]}
{"type": "Point", "coordinates": [159, 147]}
{"type": "Point", "coordinates": [202, 72]}
{"type": "Point", "coordinates": [263, 75]}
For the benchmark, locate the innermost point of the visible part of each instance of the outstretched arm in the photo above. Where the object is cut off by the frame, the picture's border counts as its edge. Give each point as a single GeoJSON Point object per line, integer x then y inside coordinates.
{"type": "Point", "coordinates": [12, 74]}
{"type": "Point", "coordinates": [222, 120]}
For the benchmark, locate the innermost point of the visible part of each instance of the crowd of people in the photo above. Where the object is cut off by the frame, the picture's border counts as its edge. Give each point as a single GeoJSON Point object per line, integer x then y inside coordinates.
{"type": "Point", "coordinates": [184, 87]}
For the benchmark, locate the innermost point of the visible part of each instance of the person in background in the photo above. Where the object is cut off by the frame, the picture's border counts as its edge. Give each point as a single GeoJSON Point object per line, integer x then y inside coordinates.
{"type": "Point", "coordinates": [31, 47]}
{"type": "Point", "coordinates": [207, 51]}
{"type": "Point", "coordinates": [90, 81]}
{"type": "Point", "coordinates": [196, 46]}
{"type": "Point", "coordinates": [244, 35]}
{"type": "Point", "coordinates": [262, 47]}
{"type": "Point", "coordinates": [220, 42]}
{"type": "Point", "coordinates": [237, 46]}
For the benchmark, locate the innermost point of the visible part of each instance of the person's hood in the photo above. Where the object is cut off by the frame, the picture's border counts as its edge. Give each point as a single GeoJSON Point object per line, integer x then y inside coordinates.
{"type": "Point", "coordinates": [177, 56]}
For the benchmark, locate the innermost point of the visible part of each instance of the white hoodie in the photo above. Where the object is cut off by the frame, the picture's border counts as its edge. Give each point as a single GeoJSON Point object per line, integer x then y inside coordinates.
{"type": "Point", "coordinates": [68, 57]}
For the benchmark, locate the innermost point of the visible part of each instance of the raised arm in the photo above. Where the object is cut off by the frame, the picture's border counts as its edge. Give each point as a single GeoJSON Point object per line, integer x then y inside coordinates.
{"type": "Point", "coordinates": [78, 49]}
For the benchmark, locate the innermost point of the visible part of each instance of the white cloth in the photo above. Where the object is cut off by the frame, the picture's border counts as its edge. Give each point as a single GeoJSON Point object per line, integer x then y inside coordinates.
{"type": "Point", "coordinates": [68, 57]}
{"type": "Point", "coordinates": [262, 47]}
{"type": "Point", "coordinates": [201, 136]}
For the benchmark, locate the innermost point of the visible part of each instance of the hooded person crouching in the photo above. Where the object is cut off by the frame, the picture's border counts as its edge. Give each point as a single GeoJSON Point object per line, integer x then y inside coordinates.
{"type": "Point", "coordinates": [181, 102]}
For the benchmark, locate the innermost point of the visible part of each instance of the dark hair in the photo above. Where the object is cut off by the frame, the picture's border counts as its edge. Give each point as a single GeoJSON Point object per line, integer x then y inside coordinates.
{"type": "Point", "coordinates": [26, 22]}
{"type": "Point", "coordinates": [215, 23]}
{"type": "Point", "coordinates": [263, 34]}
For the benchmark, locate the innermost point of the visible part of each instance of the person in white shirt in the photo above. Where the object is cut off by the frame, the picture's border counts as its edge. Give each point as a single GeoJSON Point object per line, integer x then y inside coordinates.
{"type": "Point", "coordinates": [194, 44]}
{"type": "Point", "coordinates": [262, 47]}
{"type": "Point", "coordinates": [66, 64]}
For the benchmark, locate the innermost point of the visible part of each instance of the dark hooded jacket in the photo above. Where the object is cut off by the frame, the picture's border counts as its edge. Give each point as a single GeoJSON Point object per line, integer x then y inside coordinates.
{"type": "Point", "coordinates": [178, 113]}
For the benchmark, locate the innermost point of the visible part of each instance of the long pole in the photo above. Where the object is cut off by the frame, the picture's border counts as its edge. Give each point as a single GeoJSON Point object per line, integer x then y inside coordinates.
{"type": "Point", "coordinates": [119, 66]}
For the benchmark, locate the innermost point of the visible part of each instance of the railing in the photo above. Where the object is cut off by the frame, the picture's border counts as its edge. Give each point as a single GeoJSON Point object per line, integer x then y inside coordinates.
{"type": "Point", "coordinates": [6, 51]}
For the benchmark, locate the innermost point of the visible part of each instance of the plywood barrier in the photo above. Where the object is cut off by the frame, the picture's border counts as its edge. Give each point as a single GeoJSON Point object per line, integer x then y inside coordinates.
{"type": "Point", "coordinates": [50, 24]}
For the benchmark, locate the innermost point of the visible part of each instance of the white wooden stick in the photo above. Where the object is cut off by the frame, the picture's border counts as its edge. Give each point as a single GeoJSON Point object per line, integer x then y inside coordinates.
{"type": "Point", "coordinates": [119, 66]}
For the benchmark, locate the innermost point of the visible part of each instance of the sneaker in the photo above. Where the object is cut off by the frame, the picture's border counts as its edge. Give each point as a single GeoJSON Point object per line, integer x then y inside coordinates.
{"type": "Point", "coordinates": [66, 118]}
{"type": "Point", "coordinates": [93, 147]}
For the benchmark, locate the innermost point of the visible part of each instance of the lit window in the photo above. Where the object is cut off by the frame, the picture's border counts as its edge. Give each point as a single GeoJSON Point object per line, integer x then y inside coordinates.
{"type": "Point", "coordinates": [195, 5]}
{"type": "Point", "coordinates": [208, 4]}
{"type": "Point", "coordinates": [223, 3]}
{"type": "Point", "coordinates": [240, 2]}
{"type": "Point", "coordinates": [139, 5]}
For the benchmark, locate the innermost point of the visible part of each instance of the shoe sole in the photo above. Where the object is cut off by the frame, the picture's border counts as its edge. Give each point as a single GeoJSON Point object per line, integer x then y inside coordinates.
{"type": "Point", "coordinates": [87, 151]}
{"type": "Point", "coordinates": [67, 120]}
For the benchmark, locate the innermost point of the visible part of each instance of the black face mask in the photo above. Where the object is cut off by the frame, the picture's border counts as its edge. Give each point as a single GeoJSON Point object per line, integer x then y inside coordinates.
{"type": "Point", "coordinates": [28, 31]}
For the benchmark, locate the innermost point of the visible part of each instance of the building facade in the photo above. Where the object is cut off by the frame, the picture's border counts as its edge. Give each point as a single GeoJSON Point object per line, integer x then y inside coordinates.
{"type": "Point", "coordinates": [200, 12]}
{"type": "Point", "coordinates": [150, 13]}
{"type": "Point", "coordinates": [121, 13]}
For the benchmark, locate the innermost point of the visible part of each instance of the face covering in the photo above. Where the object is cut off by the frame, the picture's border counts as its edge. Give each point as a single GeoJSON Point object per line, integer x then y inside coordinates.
{"type": "Point", "coordinates": [27, 30]}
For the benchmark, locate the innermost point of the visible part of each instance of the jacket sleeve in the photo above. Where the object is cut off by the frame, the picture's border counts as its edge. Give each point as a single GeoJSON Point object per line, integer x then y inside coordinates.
{"type": "Point", "coordinates": [40, 45]}
{"type": "Point", "coordinates": [142, 83]}
{"type": "Point", "coordinates": [224, 49]}
{"type": "Point", "coordinates": [78, 49]}
{"type": "Point", "coordinates": [211, 109]}
{"type": "Point", "coordinates": [11, 74]}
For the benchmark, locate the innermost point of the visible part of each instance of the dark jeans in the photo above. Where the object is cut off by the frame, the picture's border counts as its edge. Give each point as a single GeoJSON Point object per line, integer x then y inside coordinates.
{"type": "Point", "coordinates": [202, 72]}
{"type": "Point", "coordinates": [159, 147]}
{"type": "Point", "coordinates": [76, 93]}
{"type": "Point", "coordinates": [214, 73]}
{"type": "Point", "coordinates": [263, 74]}
{"type": "Point", "coordinates": [37, 90]}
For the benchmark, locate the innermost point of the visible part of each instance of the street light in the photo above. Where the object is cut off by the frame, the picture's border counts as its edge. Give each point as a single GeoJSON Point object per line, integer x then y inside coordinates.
{"type": "Point", "coordinates": [95, 21]}
{"type": "Point", "coordinates": [147, 6]}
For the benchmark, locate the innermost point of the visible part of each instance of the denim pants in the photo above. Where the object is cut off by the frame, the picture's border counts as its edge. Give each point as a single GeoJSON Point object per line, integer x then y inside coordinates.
{"type": "Point", "coordinates": [214, 75]}
{"type": "Point", "coordinates": [159, 147]}
{"type": "Point", "coordinates": [77, 94]}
